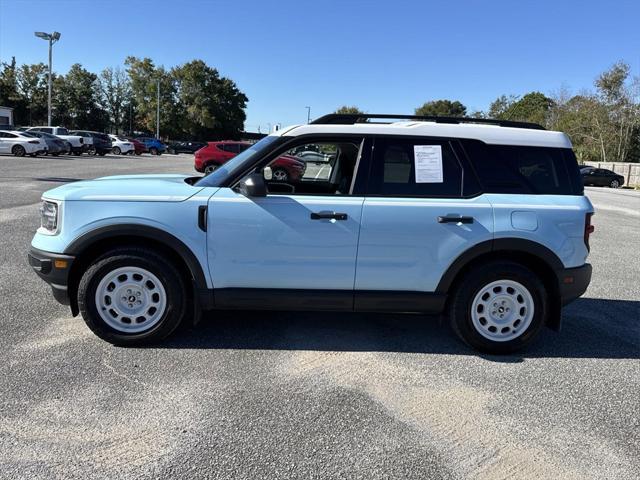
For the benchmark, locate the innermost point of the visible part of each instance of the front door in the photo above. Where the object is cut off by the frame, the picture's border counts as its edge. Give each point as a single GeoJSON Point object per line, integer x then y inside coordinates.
{"type": "Point", "coordinates": [295, 247]}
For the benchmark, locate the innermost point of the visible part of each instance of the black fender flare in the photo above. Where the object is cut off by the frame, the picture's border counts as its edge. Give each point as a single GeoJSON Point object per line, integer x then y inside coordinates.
{"type": "Point", "coordinates": [517, 245]}
{"type": "Point", "coordinates": [85, 241]}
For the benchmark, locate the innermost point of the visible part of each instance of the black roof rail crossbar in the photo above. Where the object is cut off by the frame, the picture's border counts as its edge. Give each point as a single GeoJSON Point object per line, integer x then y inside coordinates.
{"type": "Point", "coordinates": [351, 118]}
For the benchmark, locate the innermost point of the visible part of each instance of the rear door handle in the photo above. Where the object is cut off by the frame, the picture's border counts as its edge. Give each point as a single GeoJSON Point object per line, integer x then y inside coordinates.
{"type": "Point", "coordinates": [328, 215]}
{"type": "Point", "coordinates": [454, 219]}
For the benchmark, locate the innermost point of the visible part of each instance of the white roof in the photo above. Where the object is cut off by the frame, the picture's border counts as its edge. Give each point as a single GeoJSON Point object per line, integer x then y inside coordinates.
{"type": "Point", "coordinates": [492, 134]}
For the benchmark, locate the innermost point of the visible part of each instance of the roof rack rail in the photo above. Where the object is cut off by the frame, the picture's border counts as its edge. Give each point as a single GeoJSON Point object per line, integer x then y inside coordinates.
{"type": "Point", "coordinates": [351, 118]}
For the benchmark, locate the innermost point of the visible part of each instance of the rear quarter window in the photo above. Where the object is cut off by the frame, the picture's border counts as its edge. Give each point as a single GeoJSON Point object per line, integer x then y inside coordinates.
{"type": "Point", "coordinates": [524, 169]}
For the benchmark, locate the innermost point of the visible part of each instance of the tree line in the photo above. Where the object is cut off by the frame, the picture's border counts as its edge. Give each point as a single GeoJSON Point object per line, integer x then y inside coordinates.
{"type": "Point", "coordinates": [603, 124]}
{"type": "Point", "coordinates": [196, 102]}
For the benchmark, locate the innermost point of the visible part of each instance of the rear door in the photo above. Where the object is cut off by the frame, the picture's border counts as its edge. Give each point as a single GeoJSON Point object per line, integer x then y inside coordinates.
{"type": "Point", "coordinates": [422, 210]}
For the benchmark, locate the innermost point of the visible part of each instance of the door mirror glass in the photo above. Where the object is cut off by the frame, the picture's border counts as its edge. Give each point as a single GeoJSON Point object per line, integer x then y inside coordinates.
{"type": "Point", "coordinates": [253, 186]}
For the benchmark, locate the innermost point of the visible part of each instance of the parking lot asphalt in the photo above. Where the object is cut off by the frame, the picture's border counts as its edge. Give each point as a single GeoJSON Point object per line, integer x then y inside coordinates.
{"type": "Point", "coordinates": [311, 395]}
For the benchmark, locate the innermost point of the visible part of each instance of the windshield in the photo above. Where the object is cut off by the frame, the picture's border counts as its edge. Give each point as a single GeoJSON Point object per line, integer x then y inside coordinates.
{"type": "Point", "coordinates": [30, 135]}
{"type": "Point", "coordinates": [237, 163]}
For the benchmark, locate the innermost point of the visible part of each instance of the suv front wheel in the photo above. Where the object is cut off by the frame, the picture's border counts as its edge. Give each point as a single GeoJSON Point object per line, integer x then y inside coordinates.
{"type": "Point", "coordinates": [498, 307]}
{"type": "Point", "coordinates": [132, 297]}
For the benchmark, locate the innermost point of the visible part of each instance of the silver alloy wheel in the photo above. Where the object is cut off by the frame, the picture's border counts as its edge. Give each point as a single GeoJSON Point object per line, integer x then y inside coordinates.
{"type": "Point", "coordinates": [502, 310]}
{"type": "Point", "coordinates": [210, 169]}
{"type": "Point", "coordinates": [116, 151]}
{"type": "Point", "coordinates": [615, 184]}
{"type": "Point", "coordinates": [280, 175]}
{"type": "Point", "coordinates": [130, 299]}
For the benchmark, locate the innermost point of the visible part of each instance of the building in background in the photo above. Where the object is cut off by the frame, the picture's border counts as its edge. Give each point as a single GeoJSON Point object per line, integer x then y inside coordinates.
{"type": "Point", "coordinates": [6, 116]}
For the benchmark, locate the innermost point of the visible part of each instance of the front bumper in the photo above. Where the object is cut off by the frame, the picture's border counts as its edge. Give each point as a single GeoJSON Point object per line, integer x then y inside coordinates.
{"type": "Point", "coordinates": [573, 282]}
{"type": "Point", "coordinates": [54, 269]}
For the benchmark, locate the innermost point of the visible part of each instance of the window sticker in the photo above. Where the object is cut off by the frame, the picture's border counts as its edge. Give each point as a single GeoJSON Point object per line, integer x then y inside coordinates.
{"type": "Point", "coordinates": [428, 163]}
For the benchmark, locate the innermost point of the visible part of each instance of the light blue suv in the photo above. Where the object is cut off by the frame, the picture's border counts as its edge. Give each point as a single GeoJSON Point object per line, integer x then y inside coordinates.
{"type": "Point", "coordinates": [484, 220]}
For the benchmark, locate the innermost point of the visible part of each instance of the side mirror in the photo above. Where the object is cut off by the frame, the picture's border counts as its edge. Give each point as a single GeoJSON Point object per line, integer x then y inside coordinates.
{"type": "Point", "coordinates": [253, 186]}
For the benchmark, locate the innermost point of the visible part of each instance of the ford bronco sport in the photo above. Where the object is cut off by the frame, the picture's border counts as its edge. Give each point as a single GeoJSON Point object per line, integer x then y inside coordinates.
{"type": "Point", "coordinates": [485, 220]}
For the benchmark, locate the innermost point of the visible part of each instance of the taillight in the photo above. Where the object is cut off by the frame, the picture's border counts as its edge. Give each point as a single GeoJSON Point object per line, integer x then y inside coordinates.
{"type": "Point", "coordinates": [588, 229]}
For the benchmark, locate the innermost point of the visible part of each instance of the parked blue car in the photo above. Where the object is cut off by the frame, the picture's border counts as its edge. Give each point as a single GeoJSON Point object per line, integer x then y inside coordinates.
{"type": "Point", "coordinates": [155, 146]}
{"type": "Point", "coordinates": [487, 223]}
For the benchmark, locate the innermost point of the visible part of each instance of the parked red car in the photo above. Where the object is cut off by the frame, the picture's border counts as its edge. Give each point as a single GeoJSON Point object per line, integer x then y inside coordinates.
{"type": "Point", "coordinates": [285, 169]}
{"type": "Point", "coordinates": [139, 147]}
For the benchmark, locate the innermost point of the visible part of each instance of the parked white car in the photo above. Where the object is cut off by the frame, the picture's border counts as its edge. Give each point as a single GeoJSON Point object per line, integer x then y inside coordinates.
{"type": "Point", "coordinates": [21, 143]}
{"type": "Point", "coordinates": [78, 144]}
{"type": "Point", "coordinates": [121, 146]}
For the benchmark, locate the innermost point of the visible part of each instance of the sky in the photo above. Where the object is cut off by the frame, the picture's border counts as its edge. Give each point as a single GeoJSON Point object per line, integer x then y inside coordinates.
{"type": "Point", "coordinates": [382, 56]}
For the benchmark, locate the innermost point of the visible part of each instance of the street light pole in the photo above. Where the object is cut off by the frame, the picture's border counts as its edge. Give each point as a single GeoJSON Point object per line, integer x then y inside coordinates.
{"type": "Point", "coordinates": [158, 113]}
{"type": "Point", "coordinates": [308, 114]}
{"type": "Point", "coordinates": [51, 38]}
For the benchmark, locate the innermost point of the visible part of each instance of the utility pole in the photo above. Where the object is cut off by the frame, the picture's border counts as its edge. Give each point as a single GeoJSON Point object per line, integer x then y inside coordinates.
{"type": "Point", "coordinates": [308, 114]}
{"type": "Point", "coordinates": [130, 117]}
{"type": "Point", "coordinates": [51, 38]}
{"type": "Point", "coordinates": [158, 113]}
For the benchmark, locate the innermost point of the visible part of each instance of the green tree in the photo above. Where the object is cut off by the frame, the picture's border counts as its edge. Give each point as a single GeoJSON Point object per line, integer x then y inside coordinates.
{"type": "Point", "coordinates": [500, 105]}
{"type": "Point", "coordinates": [9, 95]}
{"type": "Point", "coordinates": [211, 106]}
{"type": "Point", "coordinates": [620, 96]}
{"type": "Point", "coordinates": [349, 110]}
{"type": "Point", "coordinates": [76, 100]}
{"type": "Point", "coordinates": [32, 82]}
{"type": "Point", "coordinates": [442, 108]}
{"type": "Point", "coordinates": [533, 107]}
{"type": "Point", "coordinates": [114, 95]}
{"type": "Point", "coordinates": [144, 77]}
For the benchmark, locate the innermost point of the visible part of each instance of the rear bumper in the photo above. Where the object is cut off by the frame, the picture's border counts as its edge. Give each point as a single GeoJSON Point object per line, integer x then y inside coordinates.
{"type": "Point", "coordinates": [54, 269]}
{"type": "Point", "coordinates": [573, 282]}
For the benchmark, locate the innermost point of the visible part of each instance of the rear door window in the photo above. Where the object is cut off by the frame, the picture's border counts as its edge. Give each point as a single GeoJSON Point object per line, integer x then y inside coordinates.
{"type": "Point", "coordinates": [415, 167]}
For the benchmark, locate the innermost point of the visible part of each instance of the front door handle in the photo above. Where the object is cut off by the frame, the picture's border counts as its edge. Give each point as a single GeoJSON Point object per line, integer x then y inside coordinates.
{"type": "Point", "coordinates": [454, 219]}
{"type": "Point", "coordinates": [328, 215]}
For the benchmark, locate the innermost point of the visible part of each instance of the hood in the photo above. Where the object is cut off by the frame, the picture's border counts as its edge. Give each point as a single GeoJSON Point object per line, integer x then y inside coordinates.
{"type": "Point", "coordinates": [127, 188]}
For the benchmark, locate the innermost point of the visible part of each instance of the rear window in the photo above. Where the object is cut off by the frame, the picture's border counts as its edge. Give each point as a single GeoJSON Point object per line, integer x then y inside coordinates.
{"type": "Point", "coordinates": [61, 131]}
{"type": "Point", "coordinates": [524, 169]}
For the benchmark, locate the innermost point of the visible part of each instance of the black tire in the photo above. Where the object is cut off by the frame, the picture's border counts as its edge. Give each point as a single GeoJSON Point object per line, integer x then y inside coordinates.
{"type": "Point", "coordinates": [461, 301]}
{"type": "Point", "coordinates": [138, 153]}
{"type": "Point", "coordinates": [153, 151]}
{"type": "Point", "coordinates": [116, 150]}
{"type": "Point", "coordinates": [18, 151]}
{"type": "Point", "coordinates": [614, 183]}
{"type": "Point", "coordinates": [91, 151]}
{"type": "Point", "coordinates": [209, 169]}
{"type": "Point", "coordinates": [171, 281]}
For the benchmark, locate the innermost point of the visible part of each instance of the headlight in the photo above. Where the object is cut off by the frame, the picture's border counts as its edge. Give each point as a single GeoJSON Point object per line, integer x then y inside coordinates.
{"type": "Point", "coordinates": [49, 212]}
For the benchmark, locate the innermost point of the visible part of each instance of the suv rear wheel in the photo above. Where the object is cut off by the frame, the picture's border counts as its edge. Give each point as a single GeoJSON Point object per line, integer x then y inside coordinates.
{"type": "Point", "coordinates": [132, 297]}
{"type": "Point", "coordinates": [499, 307]}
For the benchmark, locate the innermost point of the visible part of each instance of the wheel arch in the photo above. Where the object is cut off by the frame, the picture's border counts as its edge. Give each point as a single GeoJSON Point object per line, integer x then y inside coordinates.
{"type": "Point", "coordinates": [535, 256]}
{"type": "Point", "coordinates": [96, 242]}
